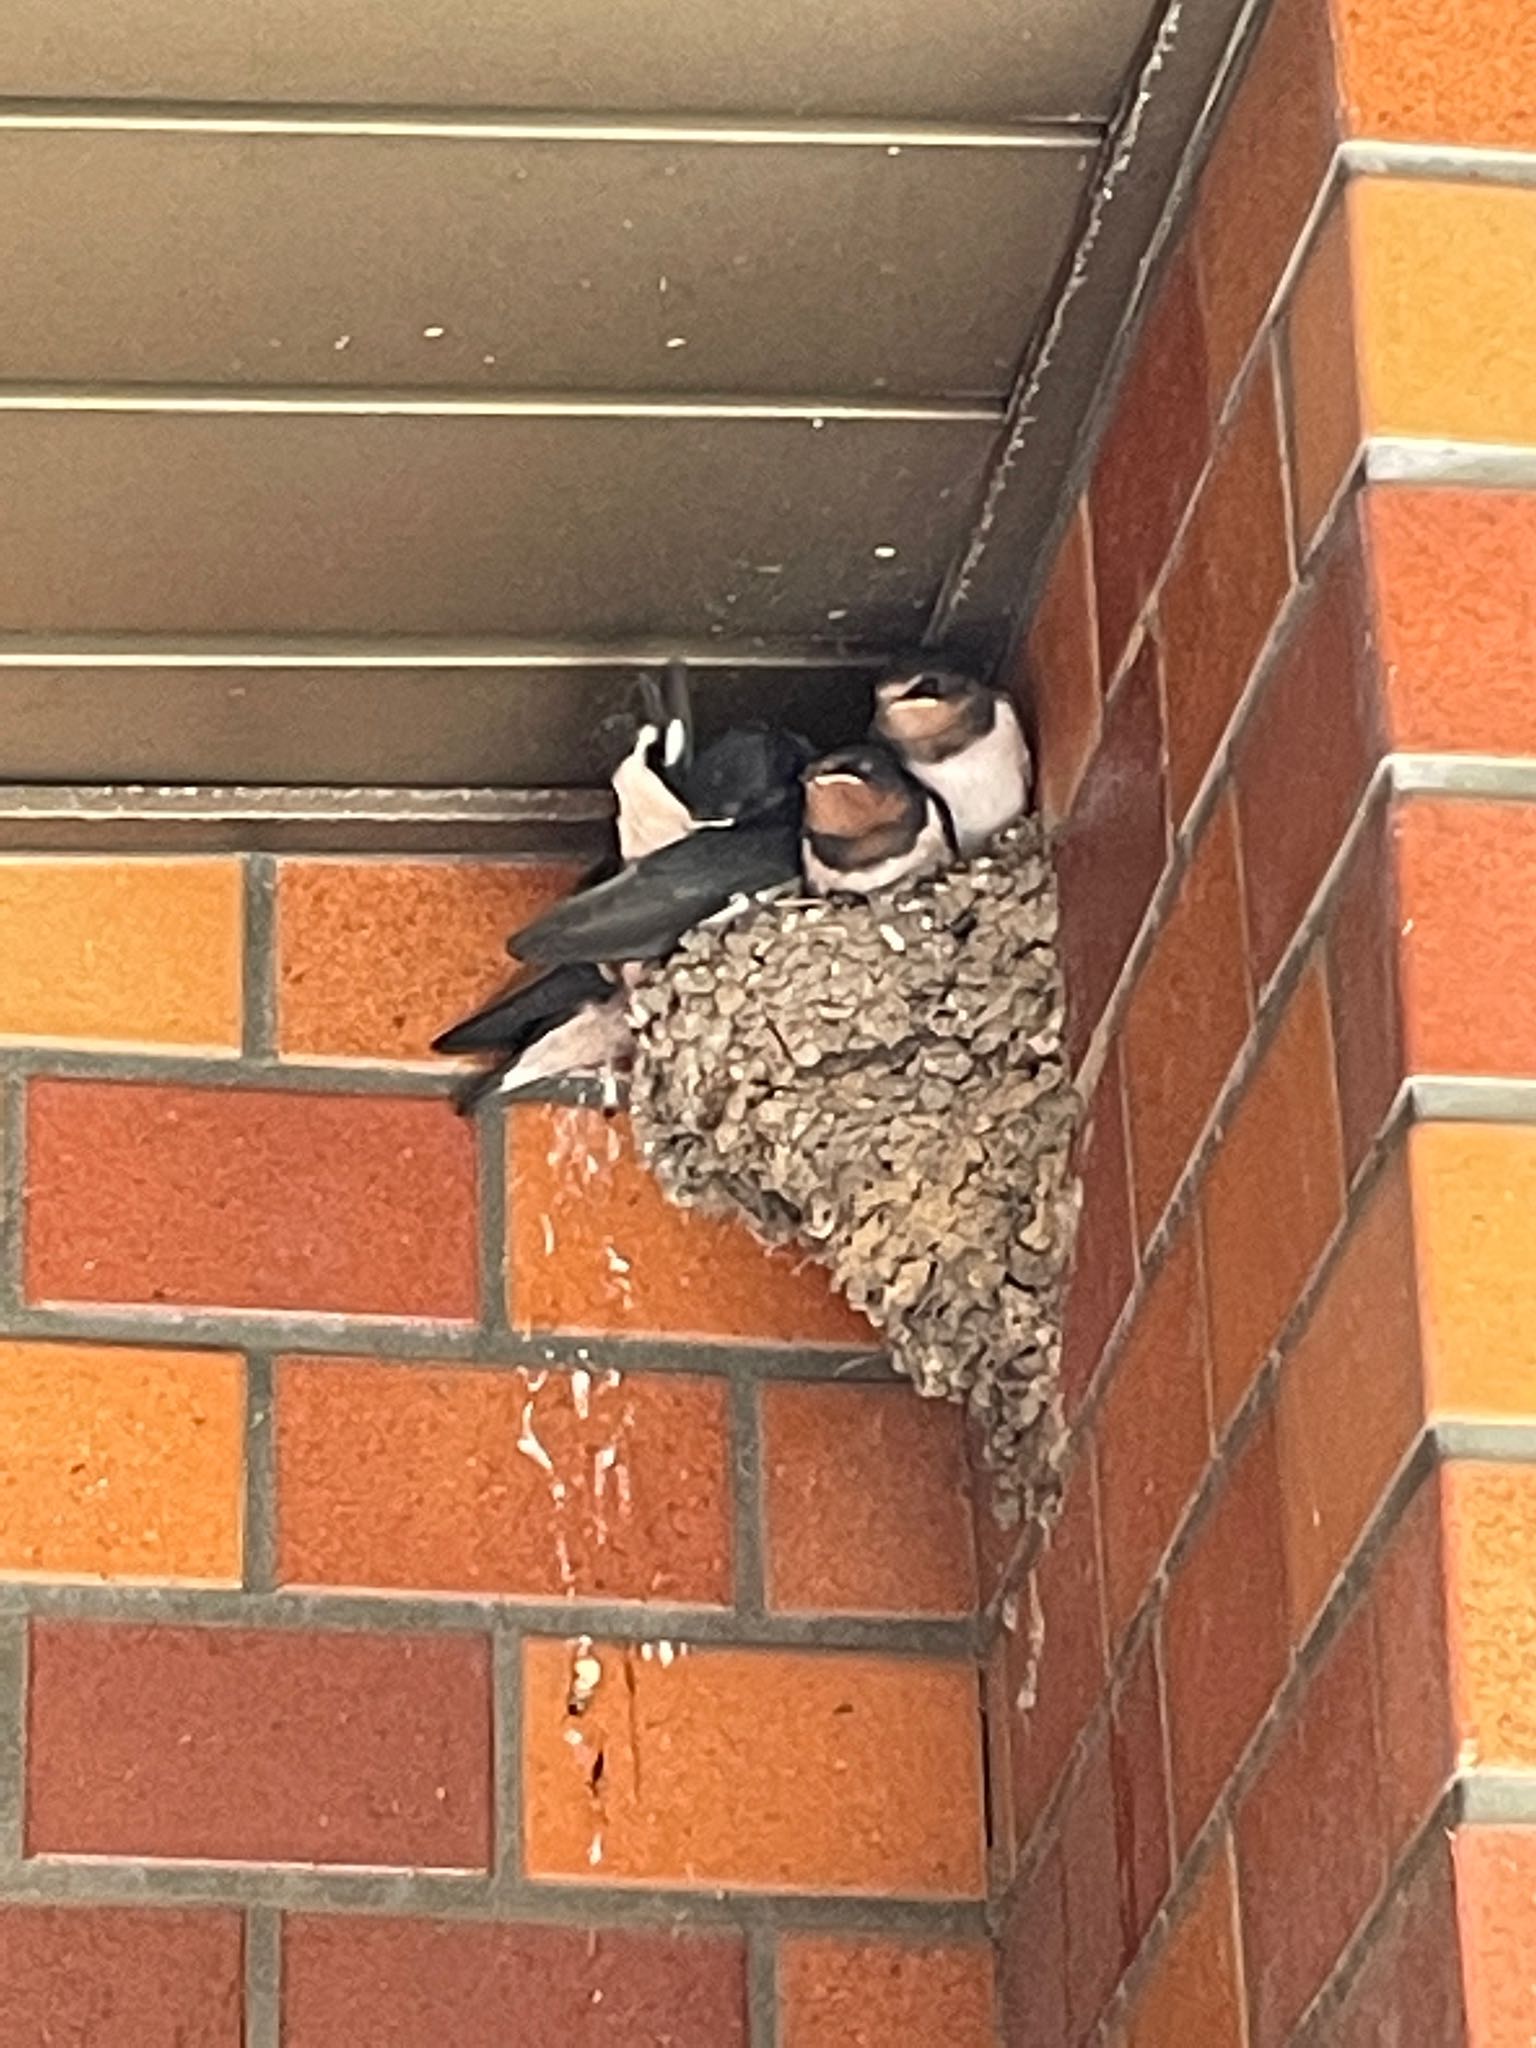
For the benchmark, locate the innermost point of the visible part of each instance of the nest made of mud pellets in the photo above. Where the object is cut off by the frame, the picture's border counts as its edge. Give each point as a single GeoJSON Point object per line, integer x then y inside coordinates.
{"type": "Point", "coordinates": [885, 1082]}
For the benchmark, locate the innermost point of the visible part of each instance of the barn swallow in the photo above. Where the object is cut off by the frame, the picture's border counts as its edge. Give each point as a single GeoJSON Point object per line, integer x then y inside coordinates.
{"type": "Point", "coordinates": [650, 784]}
{"type": "Point", "coordinates": [565, 1020]}
{"type": "Point", "coordinates": [963, 741]}
{"type": "Point", "coordinates": [868, 823]}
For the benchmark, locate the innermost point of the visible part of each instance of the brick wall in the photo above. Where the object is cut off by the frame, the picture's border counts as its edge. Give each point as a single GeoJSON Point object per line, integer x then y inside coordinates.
{"type": "Point", "coordinates": [331, 1428]}
{"type": "Point", "coordinates": [1272, 1783]}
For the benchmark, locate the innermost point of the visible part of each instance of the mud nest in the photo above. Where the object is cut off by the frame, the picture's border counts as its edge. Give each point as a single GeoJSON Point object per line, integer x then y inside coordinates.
{"type": "Point", "coordinates": [885, 1082]}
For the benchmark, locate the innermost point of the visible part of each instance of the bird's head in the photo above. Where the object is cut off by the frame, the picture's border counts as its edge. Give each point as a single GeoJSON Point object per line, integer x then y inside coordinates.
{"type": "Point", "coordinates": [932, 709]}
{"type": "Point", "coordinates": [858, 790]}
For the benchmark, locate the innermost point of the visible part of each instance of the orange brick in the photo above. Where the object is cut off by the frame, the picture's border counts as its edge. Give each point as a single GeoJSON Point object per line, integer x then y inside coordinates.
{"type": "Point", "coordinates": [1189, 1015]}
{"type": "Point", "coordinates": [1266, 166]}
{"type": "Point", "coordinates": [594, 1245]}
{"type": "Point", "coordinates": [1490, 1521]}
{"type": "Point", "coordinates": [1032, 1959]}
{"type": "Point", "coordinates": [1496, 1896]}
{"type": "Point", "coordinates": [1194, 1992]}
{"type": "Point", "coordinates": [768, 1769]}
{"type": "Point", "coordinates": [1274, 1192]}
{"type": "Point", "coordinates": [1063, 671]}
{"type": "Point", "coordinates": [434, 1479]}
{"type": "Point", "coordinates": [115, 952]}
{"type": "Point", "coordinates": [1154, 1430]}
{"type": "Point", "coordinates": [375, 957]}
{"type": "Point", "coordinates": [1467, 878]}
{"type": "Point", "coordinates": [841, 1994]}
{"type": "Point", "coordinates": [1474, 1192]}
{"type": "Point", "coordinates": [120, 1464]}
{"type": "Point", "coordinates": [1419, 71]}
{"type": "Point", "coordinates": [1350, 1402]}
{"type": "Point", "coordinates": [867, 1501]}
{"type": "Point", "coordinates": [1326, 429]}
{"type": "Point", "coordinates": [1454, 573]}
{"type": "Point", "coordinates": [1225, 589]}
{"type": "Point", "coordinates": [1447, 308]}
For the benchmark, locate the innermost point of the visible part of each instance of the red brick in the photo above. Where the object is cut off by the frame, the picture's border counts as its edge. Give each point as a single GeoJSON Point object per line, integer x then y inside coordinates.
{"type": "Point", "coordinates": [794, 1770]}
{"type": "Point", "coordinates": [1315, 728]}
{"type": "Point", "coordinates": [1496, 1895]}
{"type": "Point", "coordinates": [1224, 1634]}
{"type": "Point", "coordinates": [1274, 1193]}
{"type": "Point", "coordinates": [1266, 168]}
{"type": "Point", "coordinates": [1189, 1015]}
{"type": "Point", "coordinates": [1413, 1683]}
{"type": "Point", "coordinates": [594, 1245]}
{"type": "Point", "coordinates": [186, 1197]}
{"type": "Point", "coordinates": [1225, 589]}
{"type": "Point", "coordinates": [1154, 1430]}
{"type": "Point", "coordinates": [119, 1977]}
{"type": "Point", "coordinates": [1047, 1718]}
{"type": "Point", "coordinates": [419, 1983]}
{"type": "Point", "coordinates": [997, 1694]}
{"type": "Point", "coordinates": [1350, 1400]}
{"type": "Point", "coordinates": [238, 1745]}
{"type": "Point", "coordinates": [1033, 1960]}
{"type": "Point", "coordinates": [1151, 458]}
{"type": "Point", "coordinates": [429, 1478]}
{"type": "Point", "coordinates": [1408, 1990]}
{"type": "Point", "coordinates": [1467, 876]}
{"type": "Point", "coordinates": [872, 1994]}
{"type": "Point", "coordinates": [1454, 572]}
{"type": "Point", "coordinates": [1362, 953]}
{"type": "Point", "coordinates": [1112, 849]}
{"type": "Point", "coordinates": [375, 957]}
{"type": "Point", "coordinates": [1104, 1262]}
{"type": "Point", "coordinates": [1138, 1761]}
{"type": "Point", "coordinates": [1193, 1996]}
{"type": "Point", "coordinates": [1311, 1840]}
{"type": "Point", "coordinates": [867, 1502]}
{"type": "Point", "coordinates": [1323, 377]}
{"type": "Point", "coordinates": [1097, 1948]}
{"type": "Point", "coordinates": [1063, 671]}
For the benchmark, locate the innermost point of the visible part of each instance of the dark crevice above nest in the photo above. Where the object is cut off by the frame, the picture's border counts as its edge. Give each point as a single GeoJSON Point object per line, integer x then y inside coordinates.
{"type": "Point", "coordinates": [885, 1082]}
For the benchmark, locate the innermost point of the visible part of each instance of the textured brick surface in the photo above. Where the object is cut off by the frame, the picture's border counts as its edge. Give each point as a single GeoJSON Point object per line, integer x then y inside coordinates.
{"type": "Point", "coordinates": [867, 1501]}
{"type": "Point", "coordinates": [1467, 875]}
{"type": "Point", "coordinates": [1422, 72]}
{"type": "Point", "coordinates": [842, 1994]}
{"type": "Point", "coordinates": [1311, 1840]}
{"type": "Point", "coordinates": [1230, 1590]}
{"type": "Point", "coordinates": [1273, 1194]}
{"type": "Point", "coordinates": [1316, 720]}
{"type": "Point", "coordinates": [1154, 1430]}
{"type": "Point", "coordinates": [120, 1463]}
{"type": "Point", "coordinates": [1033, 1959]}
{"type": "Point", "coordinates": [94, 1977]}
{"type": "Point", "coordinates": [1413, 1687]}
{"type": "Point", "coordinates": [1194, 1991]}
{"type": "Point", "coordinates": [1063, 680]}
{"type": "Point", "coordinates": [595, 1246]}
{"type": "Point", "coordinates": [121, 951]}
{"type": "Point", "coordinates": [1151, 458]}
{"type": "Point", "coordinates": [1454, 574]}
{"type": "Point", "coordinates": [1350, 1401]}
{"type": "Point", "coordinates": [1322, 377]}
{"type": "Point", "coordinates": [1490, 1520]}
{"type": "Point", "coordinates": [1104, 1261]}
{"type": "Point", "coordinates": [1189, 1015]}
{"type": "Point", "coordinates": [1097, 1937]}
{"type": "Point", "coordinates": [1137, 1755]}
{"type": "Point", "coordinates": [1225, 589]}
{"type": "Point", "coordinates": [554, 1482]}
{"type": "Point", "coordinates": [182, 1197]}
{"type": "Point", "coordinates": [1474, 1193]}
{"type": "Point", "coordinates": [1051, 1705]}
{"type": "Point", "coordinates": [1496, 1897]}
{"type": "Point", "coordinates": [1446, 287]}
{"type": "Point", "coordinates": [1408, 1990]}
{"type": "Point", "coordinates": [1362, 957]}
{"type": "Point", "coordinates": [233, 1744]}
{"type": "Point", "coordinates": [375, 957]}
{"type": "Point", "coordinates": [1112, 848]}
{"type": "Point", "coordinates": [420, 1983]}
{"type": "Point", "coordinates": [770, 1769]}
{"type": "Point", "coordinates": [1265, 169]}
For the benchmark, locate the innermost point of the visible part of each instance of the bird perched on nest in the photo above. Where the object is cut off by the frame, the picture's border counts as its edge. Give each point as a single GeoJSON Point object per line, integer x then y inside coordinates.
{"type": "Point", "coordinates": [868, 824]}
{"type": "Point", "coordinates": [566, 1014]}
{"type": "Point", "coordinates": [963, 742]}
